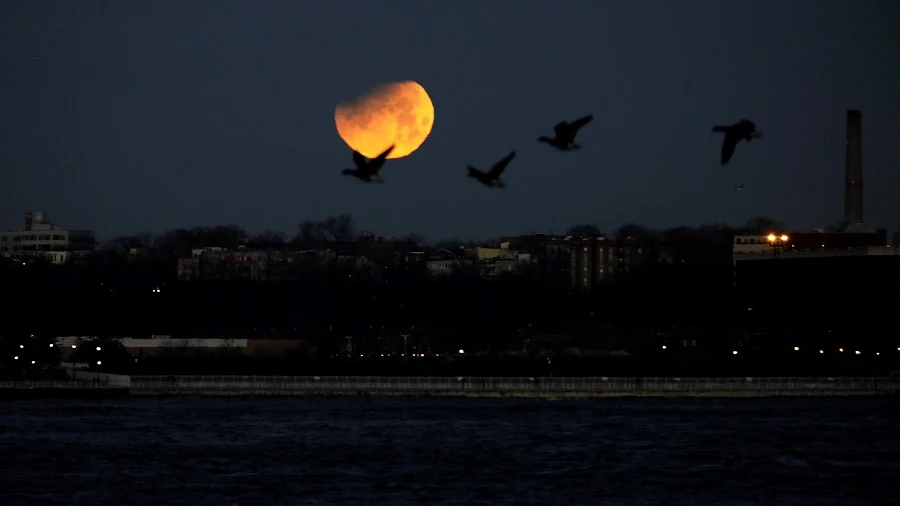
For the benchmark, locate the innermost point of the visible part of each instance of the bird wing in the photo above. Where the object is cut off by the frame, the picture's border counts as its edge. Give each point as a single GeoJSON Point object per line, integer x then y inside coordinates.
{"type": "Point", "coordinates": [498, 167]}
{"type": "Point", "coordinates": [359, 160]}
{"type": "Point", "coordinates": [580, 122]}
{"type": "Point", "coordinates": [378, 161]}
{"type": "Point", "coordinates": [728, 145]}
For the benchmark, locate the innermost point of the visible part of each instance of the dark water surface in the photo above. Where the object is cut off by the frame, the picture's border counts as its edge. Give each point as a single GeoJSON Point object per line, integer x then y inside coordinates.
{"type": "Point", "coordinates": [257, 451]}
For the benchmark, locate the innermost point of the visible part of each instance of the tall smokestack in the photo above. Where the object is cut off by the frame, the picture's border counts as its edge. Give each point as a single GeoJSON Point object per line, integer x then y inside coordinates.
{"type": "Point", "coordinates": [853, 203]}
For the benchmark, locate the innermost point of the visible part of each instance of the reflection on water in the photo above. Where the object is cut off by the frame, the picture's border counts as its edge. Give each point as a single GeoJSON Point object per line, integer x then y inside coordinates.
{"type": "Point", "coordinates": [250, 451]}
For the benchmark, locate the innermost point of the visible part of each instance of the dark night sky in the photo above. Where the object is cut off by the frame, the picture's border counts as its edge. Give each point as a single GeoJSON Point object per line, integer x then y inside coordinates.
{"type": "Point", "coordinates": [127, 116]}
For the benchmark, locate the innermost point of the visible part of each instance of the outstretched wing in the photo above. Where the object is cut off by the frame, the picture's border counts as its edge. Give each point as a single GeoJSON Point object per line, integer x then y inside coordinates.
{"type": "Point", "coordinates": [378, 161]}
{"type": "Point", "coordinates": [498, 167]}
{"type": "Point", "coordinates": [360, 161]}
{"type": "Point", "coordinates": [728, 145]}
{"type": "Point", "coordinates": [580, 122]}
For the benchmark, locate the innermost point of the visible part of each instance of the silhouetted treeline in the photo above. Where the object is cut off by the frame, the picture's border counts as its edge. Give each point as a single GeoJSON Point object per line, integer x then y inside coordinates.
{"type": "Point", "coordinates": [688, 293]}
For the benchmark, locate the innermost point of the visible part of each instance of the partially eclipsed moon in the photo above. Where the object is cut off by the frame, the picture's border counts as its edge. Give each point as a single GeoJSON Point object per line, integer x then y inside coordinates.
{"type": "Point", "coordinates": [395, 113]}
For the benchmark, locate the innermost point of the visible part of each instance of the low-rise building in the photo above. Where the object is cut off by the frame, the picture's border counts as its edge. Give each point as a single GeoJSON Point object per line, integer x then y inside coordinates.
{"type": "Point", "coordinates": [809, 245]}
{"type": "Point", "coordinates": [594, 259]}
{"type": "Point", "coordinates": [167, 345]}
{"type": "Point", "coordinates": [41, 238]}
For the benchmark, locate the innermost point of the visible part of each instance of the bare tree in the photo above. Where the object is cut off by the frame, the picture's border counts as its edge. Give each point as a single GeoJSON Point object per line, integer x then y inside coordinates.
{"type": "Point", "coordinates": [141, 240]}
{"type": "Point", "coordinates": [761, 225]}
{"type": "Point", "coordinates": [639, 232]}
{"type": "Point", "coordinates": [332, 229]}
{"type": "Point", "coordinates": [450, 243]}
{"type": "Point", "coordinates": [344, 229]}
{"type": "Point", "coordinates": [415, 239]}
{"type": "Point", "coordinates": [584, 230]}
{"type": "Point", "coordinates": [269, 237]}
{"type": "Point", "coordinates": [181, 239]}
{"type": "Point", "coordinates": [307, 234]}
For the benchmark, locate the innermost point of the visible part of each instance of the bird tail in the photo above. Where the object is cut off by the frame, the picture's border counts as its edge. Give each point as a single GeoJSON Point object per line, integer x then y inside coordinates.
{"type": "Point", "coordinates": [719, 129]}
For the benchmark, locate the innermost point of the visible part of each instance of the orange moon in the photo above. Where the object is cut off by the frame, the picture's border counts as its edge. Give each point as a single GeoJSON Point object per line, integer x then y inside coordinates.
{"type": "Point", "coordinates": [399, 113]}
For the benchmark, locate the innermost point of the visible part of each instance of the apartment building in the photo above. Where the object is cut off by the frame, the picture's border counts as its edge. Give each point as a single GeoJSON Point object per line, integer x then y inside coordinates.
{"type": "Point", "coordinates": [594, 259]}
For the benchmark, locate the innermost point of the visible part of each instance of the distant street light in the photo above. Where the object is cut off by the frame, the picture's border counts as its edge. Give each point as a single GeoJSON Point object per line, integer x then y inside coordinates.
{"type": "Point", "coordinates": [16, 357]}
{"type": "Point", "coordinates": [734, 352]}
{"type": "Point", "coordinates": [98, 348]}
{"type": "Point", "coordinates": [777, 241]}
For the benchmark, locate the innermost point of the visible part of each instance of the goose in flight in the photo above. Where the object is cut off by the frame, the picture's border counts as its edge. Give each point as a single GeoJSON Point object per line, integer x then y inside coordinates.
{"type": "Point", "coordinates": [492, 177]}
{"type": "Point", "coordinates": [564, 134]}
{"type": "Point", "coordinates": [746, 130]}
{"type": "Point", "coordinates": [367, 170]}
{"type": "Point", "coordinates": [739, 186]}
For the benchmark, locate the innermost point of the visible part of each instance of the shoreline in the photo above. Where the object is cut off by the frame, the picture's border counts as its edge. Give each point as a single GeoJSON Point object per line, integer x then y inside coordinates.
{"type": "Point", "coordinates": [120, 393]}
{"type": "Point", "coordinates": [505, 395]}
{"type": "Point", "coordinates": [101, 385]}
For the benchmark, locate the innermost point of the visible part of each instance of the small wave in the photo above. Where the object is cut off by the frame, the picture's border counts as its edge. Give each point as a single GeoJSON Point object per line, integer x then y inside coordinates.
{"type": "Point", "coordinates": [791, 462]}
{"type": "Point", "coordinates": [555, 471]}
{"type": "Point", "coordinates": [702, 468]}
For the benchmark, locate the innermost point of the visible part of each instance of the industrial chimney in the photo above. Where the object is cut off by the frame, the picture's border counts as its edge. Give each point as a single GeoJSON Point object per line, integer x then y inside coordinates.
{"type": "Point", "coordinates": [853, 204]}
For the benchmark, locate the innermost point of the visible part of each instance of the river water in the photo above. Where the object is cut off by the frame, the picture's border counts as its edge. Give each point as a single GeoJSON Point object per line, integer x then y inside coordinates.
{"type": "Point", "coordinates": [397, 451]}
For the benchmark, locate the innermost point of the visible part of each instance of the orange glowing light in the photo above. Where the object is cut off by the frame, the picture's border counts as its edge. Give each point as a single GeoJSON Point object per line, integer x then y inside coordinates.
{"type": "Point", "coordinates": [784, 238]}
{"type": "Point", "coordinates": [398, 113]}
{"type": "Point", "coordinates": [771, 237]}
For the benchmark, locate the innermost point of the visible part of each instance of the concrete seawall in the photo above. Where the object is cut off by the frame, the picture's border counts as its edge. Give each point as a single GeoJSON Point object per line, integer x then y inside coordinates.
{"type": "Point", "coordinates": [504, 394]}
{"type": "Point", "coordinates": [13, 393]}
{"type": "Point", "coordinates": [493, 387]}
{"type": "Point", "coordinates": [484, 387]}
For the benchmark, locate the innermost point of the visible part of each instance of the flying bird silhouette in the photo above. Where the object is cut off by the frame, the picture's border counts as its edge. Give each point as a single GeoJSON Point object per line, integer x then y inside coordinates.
{"type": "Point", "coordinates": [564, 134]}
{"type": "Point", "coordinates": [492, 177]}
{"type": "Point", "coordinates": [739, 186]}
{"type": "Point", "coordinates": [367, 170]}
{"type": "Point", "coordinates": [746, 130]}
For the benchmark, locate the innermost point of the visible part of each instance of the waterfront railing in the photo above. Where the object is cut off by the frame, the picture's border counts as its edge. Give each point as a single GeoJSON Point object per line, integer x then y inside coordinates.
{"type": "Point", "coordinates": [507, 384]}
{"type": "Point", "coordinates": [30, 384]}
{"type": "Point", "coordinates": [473, 384]}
